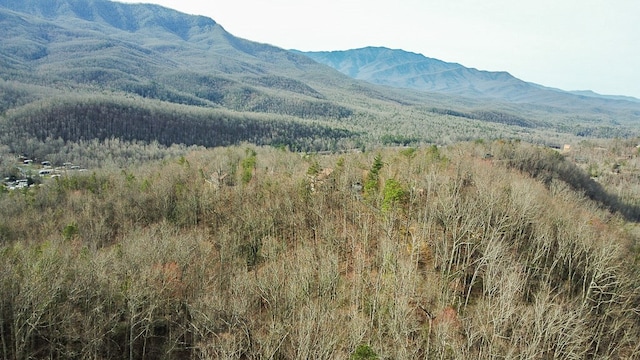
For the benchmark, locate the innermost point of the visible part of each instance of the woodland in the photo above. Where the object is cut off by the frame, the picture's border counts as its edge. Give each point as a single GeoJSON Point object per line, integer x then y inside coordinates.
{"type": "Point", "coordinates": [478, 250]}
{"type": "Point", "coordinates": [171, 191]}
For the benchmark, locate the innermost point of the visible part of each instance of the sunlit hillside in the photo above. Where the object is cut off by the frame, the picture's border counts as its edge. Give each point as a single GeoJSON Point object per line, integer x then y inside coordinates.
{"type": "Point", "coordinates": [171, 191]}
{"type": "Point", "coordinates": [476, 250]}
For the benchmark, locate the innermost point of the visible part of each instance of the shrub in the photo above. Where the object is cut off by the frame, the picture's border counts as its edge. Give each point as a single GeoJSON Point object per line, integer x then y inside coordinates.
{"type": "Point", "coordinates": [372, 182]}
{"type": "Point", "coordinates": [70, 231]}
{"type": "Point", "coordinates": [364, 352]}
{"type": "Point", "coordinates": [393, 194]}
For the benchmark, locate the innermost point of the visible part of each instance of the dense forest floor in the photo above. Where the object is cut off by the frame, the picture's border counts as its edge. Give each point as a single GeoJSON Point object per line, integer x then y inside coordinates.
{"type": "Point", "coordinates": [474, 250]}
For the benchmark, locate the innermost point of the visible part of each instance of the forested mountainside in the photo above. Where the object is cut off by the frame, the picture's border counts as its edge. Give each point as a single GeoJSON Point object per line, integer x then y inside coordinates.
{"type": "Point", "coordinates": [399, 68]}
{"type": "Point", "coordinates": [86, 69]}
{"type": "Point", "coordinates": [475, 251]}
{"type": "Point", "coordinates": [66, 66]}
{"type": "Point", "coordinates": [172, 191]}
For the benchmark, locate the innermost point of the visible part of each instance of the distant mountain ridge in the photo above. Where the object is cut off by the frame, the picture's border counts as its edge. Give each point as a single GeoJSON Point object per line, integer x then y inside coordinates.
{"type": "Point", "coordinates": [590, 93]}
{"type": "Point", "coordinates": [154, 27]}
{"type": "Point", "coordinates": [95, 69]}
{"type": "Point", "coordinates": [154, 52]}
{"type": "Point", "coordinates": [133, 64]}
{"type": "Point", "coordinates": [403, 69]}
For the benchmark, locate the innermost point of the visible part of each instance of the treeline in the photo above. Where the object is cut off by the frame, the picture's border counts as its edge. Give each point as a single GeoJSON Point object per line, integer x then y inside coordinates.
{"type": "Point", "coordinates": [111, 153]}
{"type": "Point", "coordinates": [13, 94]}
{"type": "Point", "coordinates": [546, 165]}
{"type": "Point", "coordinates": [250, 252]}
{"type": "Point", "coordinates": [85, 118]}
{"type": "Point", "coordinates": [564, 123]}
{"type": "Point", "coordinates": [287, 84]}
{"type": "Point", "coordinates": [490, 116]}
{"type": "Point", "coordinates": [266, 94]}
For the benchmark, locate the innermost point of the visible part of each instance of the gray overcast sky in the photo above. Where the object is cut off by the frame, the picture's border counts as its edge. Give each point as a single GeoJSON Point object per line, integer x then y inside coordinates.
{"type": "Point", "coordinates": [568, 44]}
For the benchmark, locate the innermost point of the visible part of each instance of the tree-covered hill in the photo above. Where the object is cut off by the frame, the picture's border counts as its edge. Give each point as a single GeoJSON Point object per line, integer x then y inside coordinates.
{"type": "Point", "coordinates": [84, 118]}
{"type": "Point", "coordinates": [76, 50]}
{"type": "Point", "coordinates": [399, 68]}
{"type": "Point", "coordinates": [255, 252]}
{"type": "Point", "coordinates": [71, 51]}
{"type": "Point", "coordinates": [172, 191]}
{"type": "Point", "coordinates": [54, 39]}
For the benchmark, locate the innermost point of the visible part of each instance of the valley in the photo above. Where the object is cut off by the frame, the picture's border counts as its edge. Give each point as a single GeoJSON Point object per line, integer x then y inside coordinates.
{"type": "Point", "coordinates": [173, 191]}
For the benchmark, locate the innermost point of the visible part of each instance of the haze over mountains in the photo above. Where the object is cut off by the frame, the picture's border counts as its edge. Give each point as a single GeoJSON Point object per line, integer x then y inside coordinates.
{"type": "Point", "coordinates": [171, 191]}
{"type": "Point", "coordinates": [121, 58]}
{"type": "Point", "coordinates": [399, 68]}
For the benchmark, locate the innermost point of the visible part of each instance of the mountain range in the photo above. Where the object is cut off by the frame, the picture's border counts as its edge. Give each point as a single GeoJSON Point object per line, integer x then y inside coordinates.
{"type": "Point", "coordinates": [403, 69]}
{"type": "Point", "coordinates": [58, 56]}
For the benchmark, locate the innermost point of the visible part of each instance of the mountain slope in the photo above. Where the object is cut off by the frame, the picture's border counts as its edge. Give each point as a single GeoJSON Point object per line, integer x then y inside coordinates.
{"type": "Point", "coordinates": [80, 70]}
{"type": "Point", "coordinates": [125, 47]}
{"type": "Point", "coordinates": [98, 55]}
{"type": "Point", "coordinates": [404, 69]}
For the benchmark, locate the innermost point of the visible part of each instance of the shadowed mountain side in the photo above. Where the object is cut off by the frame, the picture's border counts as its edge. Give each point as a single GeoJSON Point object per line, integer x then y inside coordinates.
{"type": "Point", "coordinates": [547, 165]}
{"type": "Point", "coordinates": [103, 118]}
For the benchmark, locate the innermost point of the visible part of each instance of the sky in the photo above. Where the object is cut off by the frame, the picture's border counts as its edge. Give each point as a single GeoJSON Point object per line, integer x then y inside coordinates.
{"type": "Point", "coordinates": [566, 44]}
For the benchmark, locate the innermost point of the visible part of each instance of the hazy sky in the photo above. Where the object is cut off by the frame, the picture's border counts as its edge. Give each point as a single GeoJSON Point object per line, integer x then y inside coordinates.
{"type": "Point", "coordinates": [568, 44]}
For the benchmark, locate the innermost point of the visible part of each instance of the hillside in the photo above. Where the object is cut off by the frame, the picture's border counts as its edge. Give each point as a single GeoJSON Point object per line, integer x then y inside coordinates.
{"type": "Point", "coordinates": [403, 69]}
{"type": "Point", "coordinates": [148, 50]}
{"type": "Point", "coordinates": [247, 252]}
{"type": "Point", "coordinates": [399, 68]}
{"type": "Point", "coordinates": [79, 58]}
{"type": "Point", "coordinates": [65, 62]}
{"type": "Point", "coordinates": [171, 191]}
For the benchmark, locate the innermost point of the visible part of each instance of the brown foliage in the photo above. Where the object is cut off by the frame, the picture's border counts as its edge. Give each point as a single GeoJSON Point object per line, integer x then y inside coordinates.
{"type": "Point", "coordinates": [479, 260]}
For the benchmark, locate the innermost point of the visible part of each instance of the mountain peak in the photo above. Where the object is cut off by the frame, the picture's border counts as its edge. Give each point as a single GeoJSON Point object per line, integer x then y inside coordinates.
{"type": "Point", "coordinates": [127, 17]}
{"type": "Point", "coordinates": [157, 52]}
{"type": "Point", "coordinates": [403, 69]}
